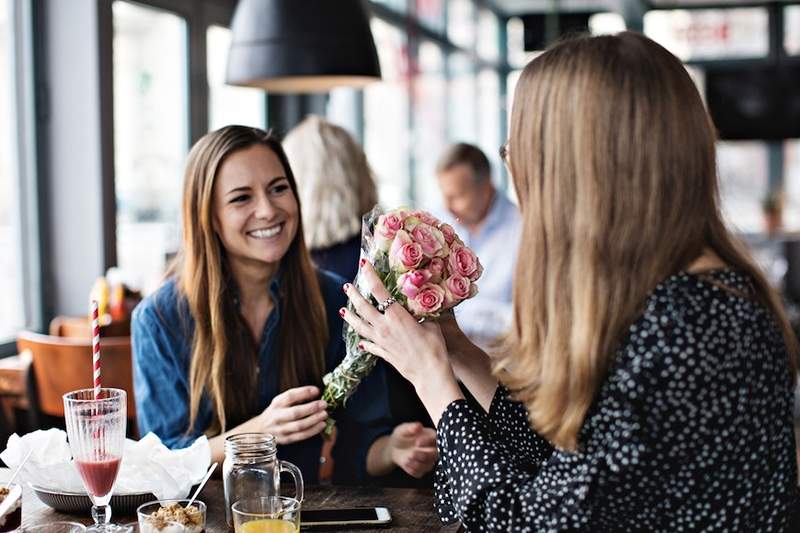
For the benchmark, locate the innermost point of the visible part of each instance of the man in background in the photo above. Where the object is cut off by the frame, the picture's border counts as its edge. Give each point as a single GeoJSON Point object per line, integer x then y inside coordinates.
{"type": "Point", "coordinates": [489, 223]}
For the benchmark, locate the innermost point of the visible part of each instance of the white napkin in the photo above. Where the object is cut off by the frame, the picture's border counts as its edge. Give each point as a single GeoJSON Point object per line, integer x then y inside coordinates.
{"type": "Point", "coordinates": [147, 465]}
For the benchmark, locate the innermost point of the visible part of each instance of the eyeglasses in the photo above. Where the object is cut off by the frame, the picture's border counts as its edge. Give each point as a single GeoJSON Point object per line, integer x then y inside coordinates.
{"type": "Point", "coordinates": [504, 152]}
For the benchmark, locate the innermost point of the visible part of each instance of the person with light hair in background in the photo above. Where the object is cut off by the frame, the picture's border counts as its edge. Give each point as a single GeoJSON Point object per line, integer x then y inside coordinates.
{"type": "Point", "coordinates": [337, 187]}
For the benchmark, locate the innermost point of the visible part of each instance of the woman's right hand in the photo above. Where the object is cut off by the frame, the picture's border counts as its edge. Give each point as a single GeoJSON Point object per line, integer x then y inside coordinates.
{"type": "Point", "coordinates": [293, 415]}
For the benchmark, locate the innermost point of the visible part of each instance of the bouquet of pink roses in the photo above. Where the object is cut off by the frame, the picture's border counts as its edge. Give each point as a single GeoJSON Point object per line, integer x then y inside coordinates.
{"type": "Point", "coordinates": [425, 267]}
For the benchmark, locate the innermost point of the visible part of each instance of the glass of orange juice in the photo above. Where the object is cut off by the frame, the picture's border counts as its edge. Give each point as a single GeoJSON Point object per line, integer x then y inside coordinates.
{"type": "Point", "coordinates": [267, 514]}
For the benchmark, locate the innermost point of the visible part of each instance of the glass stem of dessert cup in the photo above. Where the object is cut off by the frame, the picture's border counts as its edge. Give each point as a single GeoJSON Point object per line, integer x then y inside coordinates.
{"type": "Point", "coordinates": [101, 514]}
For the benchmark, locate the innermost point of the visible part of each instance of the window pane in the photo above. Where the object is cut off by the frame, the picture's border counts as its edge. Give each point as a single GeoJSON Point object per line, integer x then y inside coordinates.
{"type": "Point", "coordinates": [386, 116]}
{"type": "Point", "coordinates": [462, 124]}
{"type": "Point", "coordinates": [791, 30]}
{"type": "Point", "coordinates": [489, 138]}
{"type": "Point", "coordinates": [515, 44]}
{"type": "Point", "coordinates": [229, 104]}
{"type": "Point", "coordinates": [606, 23]}
{"type": "Point", "coordinates": [488, 38]}
{"type": "Point", "coordinates": [791, 181]}
{"type": "Point", "coordinates": [150, 136]}
{"type": "Point", "coordinates": [710, 33]}
{"type": "Point", "coordinates": [461, 23]}
{"type": "Point", "coordinates": [743, 168]}
{"type": "Point", "coordinates": [430, 123]}
{"type": "Point", "coordinates": [431, 13]}
{"type": "Point", "coordinates": [397, 5]}
{"type": "Point", "coordinates": [12, 312]}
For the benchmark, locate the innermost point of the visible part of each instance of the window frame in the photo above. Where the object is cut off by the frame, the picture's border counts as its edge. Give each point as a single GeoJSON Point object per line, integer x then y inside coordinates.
{"type": "Point", "coordinates": [199, 16]}
{"type": "Point", "coordinates": [30, 223]}
{"type": "Point", "coordinates": [417, 31]}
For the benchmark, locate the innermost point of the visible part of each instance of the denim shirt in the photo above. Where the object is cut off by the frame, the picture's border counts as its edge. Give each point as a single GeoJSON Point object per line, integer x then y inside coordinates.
{"type": "Point", "coordinates": [162, 331]}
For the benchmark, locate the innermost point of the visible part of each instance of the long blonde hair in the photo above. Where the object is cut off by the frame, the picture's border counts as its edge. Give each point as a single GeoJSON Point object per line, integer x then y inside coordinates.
{"type": "Point", "coordinates": [336, 183]}
{"type": "Point", "coordinates": [224, 353]}
{"type": "Point", "coordinates": [613, 160]}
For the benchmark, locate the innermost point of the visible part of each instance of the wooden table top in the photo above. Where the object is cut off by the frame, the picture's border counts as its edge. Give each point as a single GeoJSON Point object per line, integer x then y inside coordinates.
{"type": "Point", "coordinates": [411, 509]}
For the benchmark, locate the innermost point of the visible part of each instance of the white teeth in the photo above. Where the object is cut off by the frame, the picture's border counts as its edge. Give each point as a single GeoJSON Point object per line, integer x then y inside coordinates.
{"type": "Point", "coordinates": [266, 233]}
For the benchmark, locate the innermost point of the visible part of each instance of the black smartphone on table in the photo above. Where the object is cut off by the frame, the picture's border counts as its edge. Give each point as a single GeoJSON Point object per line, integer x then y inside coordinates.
{"type": "Point", "coordinates": [335, 518]}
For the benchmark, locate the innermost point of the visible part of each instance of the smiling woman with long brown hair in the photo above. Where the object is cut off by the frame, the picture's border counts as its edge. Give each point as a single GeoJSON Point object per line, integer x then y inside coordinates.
{"type": "Point", "coordinates": [238, 337]}
{"type": "Point", "coordinates": [647, 382]}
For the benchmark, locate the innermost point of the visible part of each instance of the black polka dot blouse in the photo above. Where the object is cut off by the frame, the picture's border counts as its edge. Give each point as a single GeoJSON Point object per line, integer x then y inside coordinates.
{"type": "Point", "coordinates": [692, 430]}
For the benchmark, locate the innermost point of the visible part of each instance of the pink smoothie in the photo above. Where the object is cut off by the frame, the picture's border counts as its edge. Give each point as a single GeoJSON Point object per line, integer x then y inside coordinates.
{"type": "Point", "coordinates": [99, 476]}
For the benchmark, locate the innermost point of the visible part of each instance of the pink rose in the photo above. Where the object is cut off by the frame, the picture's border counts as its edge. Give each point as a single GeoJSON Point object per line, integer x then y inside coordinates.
{"type": "Point", "coordinates": [390, 223]}
{"type": "Point", "coordinates": [404, 254]}
{"type": "Point", "coordinates": [385, 230]}
{"type": "Point", "coordinates": [428, 300]}
{"type": "Point", "coordinates": [411, 222]}
{"type": "Point", "coordinates": [409, 283]}
{"type": "Point", "coordinates": [463, 261]}
{"type": "Point", "coordinates": [436, 268]}
{"type": "Point", "coordinates": [427, 218]}
{"type": "Point", "coordinates": [456, 289]}
{"type": "Point", "coordinates": [430, 238]}
{"type": "Point", "coordinates": [448, 233]}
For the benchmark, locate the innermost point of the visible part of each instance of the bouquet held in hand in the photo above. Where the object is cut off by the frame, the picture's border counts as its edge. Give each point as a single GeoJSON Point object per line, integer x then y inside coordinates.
{"type": "Point", "coordinates": [426, 268]}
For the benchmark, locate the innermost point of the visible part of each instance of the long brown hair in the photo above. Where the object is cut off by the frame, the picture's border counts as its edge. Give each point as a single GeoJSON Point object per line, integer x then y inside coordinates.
{"type": "Point", "coordinates": [224, 358]}
{"type": "Point", "coordinates": [613, 160]}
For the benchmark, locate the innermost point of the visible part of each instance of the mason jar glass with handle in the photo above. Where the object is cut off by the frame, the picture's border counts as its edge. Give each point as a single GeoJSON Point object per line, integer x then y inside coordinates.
{"type": "Point", "coordinates": [251, 469]}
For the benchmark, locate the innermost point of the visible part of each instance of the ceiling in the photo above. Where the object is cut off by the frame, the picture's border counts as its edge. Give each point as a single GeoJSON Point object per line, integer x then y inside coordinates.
{"type": "Point", "coordinates": [521, 7]}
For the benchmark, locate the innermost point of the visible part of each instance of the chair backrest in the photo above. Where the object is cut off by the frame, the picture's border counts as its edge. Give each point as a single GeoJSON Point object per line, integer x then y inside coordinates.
{"type": "Point", "coordinates": [79, 327]}
{"type": "Point", "coordinates": [62, 364]}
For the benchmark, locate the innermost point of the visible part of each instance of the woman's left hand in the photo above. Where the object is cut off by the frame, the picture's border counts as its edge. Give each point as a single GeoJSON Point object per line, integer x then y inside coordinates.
{"type": "Point", "coordinates": [417, 351]}
{"type": "Point", "coordinates": [412, 447]}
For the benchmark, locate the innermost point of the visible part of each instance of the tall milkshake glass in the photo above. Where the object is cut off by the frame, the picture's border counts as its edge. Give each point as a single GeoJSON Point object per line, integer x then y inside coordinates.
{"type": "Point", "coordinates": [96, 432]}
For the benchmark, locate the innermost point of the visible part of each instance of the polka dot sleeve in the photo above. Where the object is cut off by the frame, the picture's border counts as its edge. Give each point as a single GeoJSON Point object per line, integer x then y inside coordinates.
{"type": "Point", "coordinates": [691, 430]}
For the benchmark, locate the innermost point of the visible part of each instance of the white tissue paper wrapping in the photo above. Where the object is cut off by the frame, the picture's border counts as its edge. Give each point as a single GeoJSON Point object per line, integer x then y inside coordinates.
{"type": "Point", "coordinates": [147, 465]}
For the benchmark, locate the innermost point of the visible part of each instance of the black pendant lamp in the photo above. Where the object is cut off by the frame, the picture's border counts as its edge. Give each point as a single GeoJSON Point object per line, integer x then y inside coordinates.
{"type": "Point", "coordinates": [301, 46]}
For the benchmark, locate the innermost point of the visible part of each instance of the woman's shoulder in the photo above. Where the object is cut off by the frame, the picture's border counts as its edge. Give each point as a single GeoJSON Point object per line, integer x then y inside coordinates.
{"type": "Point", "coordinates": [165, 306]}
{"type": "Point", "coordinates": [712, 313]}
{"type": "Point", "coordinates": [330, 285]}
{"type": "Point", "coordinates": [708, 295]}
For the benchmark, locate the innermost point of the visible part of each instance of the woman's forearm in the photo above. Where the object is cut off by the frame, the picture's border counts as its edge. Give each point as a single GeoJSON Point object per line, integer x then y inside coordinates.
{"type": "Point", "coordinates": [217, 443]}
{"type": "Point", "coordinates": [437, 394]}
{"type": "Point", "coordinates": [379, 457]}
{"type": "Point", "coordinates": [473, 367]}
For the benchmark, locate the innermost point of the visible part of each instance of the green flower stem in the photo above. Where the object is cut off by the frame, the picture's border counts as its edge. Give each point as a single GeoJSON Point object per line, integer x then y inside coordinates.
{"type": "Point", "coordinates": [343, 381]}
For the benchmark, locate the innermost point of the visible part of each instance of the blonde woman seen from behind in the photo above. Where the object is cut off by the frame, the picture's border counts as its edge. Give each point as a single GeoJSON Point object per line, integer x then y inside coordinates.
{"type": "Point", "coordinates": [337, 188]}
{"type": "Point", "coordinates": [647, 382]}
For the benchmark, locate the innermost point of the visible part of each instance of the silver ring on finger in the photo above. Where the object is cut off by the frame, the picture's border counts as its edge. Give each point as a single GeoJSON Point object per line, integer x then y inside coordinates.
{"type": "Point", "coordinates": [384, 305]}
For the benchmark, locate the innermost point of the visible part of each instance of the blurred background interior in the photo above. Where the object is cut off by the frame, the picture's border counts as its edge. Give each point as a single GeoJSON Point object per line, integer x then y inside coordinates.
{"type": "Point", "coordinates": [101, 99]}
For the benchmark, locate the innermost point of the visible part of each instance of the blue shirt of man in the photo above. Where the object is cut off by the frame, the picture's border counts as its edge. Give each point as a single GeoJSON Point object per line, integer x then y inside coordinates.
{"type": "Point", "coordinates": [489, 223]}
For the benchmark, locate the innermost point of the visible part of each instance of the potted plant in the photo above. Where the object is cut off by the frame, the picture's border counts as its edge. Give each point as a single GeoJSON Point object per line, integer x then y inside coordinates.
{"type": "Point", "coordinates": [772, 207]}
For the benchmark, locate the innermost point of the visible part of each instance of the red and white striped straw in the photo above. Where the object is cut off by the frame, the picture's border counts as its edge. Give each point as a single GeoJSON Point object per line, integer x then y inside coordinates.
{"type": "Point", "coordinates": [96, 349]}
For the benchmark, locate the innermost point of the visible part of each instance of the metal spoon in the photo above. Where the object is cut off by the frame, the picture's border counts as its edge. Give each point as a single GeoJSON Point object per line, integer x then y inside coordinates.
{"type": "Point", "coordinates": [202, 484]}
{"type": "Point", "coordinates": [19, 467]}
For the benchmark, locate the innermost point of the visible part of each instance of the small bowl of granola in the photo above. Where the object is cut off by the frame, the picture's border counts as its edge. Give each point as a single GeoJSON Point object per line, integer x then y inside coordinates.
{"type": "Point", "coordinates": [172, 516]}
{"type": "Point", "coordinates": [10, 506]}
